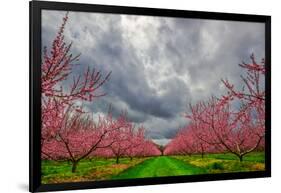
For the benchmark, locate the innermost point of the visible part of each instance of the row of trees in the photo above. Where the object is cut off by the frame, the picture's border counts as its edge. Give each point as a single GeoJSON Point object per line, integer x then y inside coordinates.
{"type": "Point", "coordinates": [68, 131]}
{"type": "Point", "coordinates": [80, 137]}
{"type": "Point", "coordinates": [233, 123]}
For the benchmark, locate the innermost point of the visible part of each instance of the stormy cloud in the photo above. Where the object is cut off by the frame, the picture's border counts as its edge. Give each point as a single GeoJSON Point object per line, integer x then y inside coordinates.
{"type": "Point", "coordinates": [159, 64]}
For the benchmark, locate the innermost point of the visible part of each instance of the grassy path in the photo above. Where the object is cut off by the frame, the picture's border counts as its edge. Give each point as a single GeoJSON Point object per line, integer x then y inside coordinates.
{"type": "Point", "coordinates": [160, 166]}
{"type": "Point", "coordinates": [105, 169]}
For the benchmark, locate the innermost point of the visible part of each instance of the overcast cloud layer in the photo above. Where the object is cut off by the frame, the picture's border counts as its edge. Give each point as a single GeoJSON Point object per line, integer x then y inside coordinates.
{"type": "Point", "coordinates": [159, 64]}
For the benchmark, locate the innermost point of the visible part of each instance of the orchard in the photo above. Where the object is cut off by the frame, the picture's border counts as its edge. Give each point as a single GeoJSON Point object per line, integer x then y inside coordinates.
{"type": "Point", "coordinates": [222, 134]}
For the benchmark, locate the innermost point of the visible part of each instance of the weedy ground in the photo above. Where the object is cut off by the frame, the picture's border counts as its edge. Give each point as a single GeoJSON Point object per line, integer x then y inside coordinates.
{"type": "Point", "coordinates": [104, 169]}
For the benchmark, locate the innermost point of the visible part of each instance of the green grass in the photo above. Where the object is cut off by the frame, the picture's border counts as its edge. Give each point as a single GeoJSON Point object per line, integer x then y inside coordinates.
{"type": "Point", "coordinates": [102, 169]}
{"type": "Point", "coordinates": [222, 163]}
{"type": "Point", "coordinates": [160, 166]}
{"type": "Point", "coordinates": [97, 169]}
{"type": "Point", "coordinates": [254, 156]}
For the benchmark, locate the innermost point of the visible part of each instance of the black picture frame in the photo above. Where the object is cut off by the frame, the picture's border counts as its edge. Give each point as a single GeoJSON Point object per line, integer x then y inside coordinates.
{"type": "Point", "coordinates": [35, 94]}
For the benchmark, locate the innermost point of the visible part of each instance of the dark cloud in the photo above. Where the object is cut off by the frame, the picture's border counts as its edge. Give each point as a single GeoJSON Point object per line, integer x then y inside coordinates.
{"type": "Point", "coordinates": [158, 64]}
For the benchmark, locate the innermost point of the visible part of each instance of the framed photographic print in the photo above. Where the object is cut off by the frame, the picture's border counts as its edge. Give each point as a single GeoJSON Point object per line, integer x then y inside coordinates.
{"type": "Point", "coordinates": [125, 96]}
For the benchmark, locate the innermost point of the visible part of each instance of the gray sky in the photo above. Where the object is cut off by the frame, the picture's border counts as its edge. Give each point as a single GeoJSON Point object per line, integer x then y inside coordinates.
{"type": "Point", "coordinates": [159, 64]}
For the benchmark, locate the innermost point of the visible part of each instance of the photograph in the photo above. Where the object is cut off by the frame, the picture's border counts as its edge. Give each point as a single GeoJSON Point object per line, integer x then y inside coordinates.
{"type": "Point", "coordinates": [127, 96]}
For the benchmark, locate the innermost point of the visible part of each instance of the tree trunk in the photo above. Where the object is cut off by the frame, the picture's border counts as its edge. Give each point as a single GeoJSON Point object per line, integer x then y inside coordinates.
{"type": "Point", "coordinates": [202, 151]}
{"type": "Point", "coordinates": [241, 158]}
{"type": "Point", "coordinates": [131, 158]}
{"type": "Point", "coordinates": [117, 160]}
{"type": "Point", "coordinates": [74, 166]}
